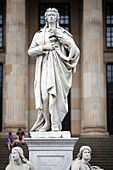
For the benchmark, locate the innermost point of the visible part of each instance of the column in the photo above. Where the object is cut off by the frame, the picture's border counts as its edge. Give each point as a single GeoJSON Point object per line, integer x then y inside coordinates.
{"type": "Point", "coordinates": [16, 67]}
{"type": "Point", "coordinates": [93, 93]}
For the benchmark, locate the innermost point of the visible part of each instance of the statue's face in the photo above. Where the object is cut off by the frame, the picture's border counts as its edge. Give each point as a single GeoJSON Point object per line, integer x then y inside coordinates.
{"type": "Point", "coordinates": [51, 17]}
{"type": "Point", "coordinates": [15, 155]}
{"type": "Point", "coordinates": [86, 154]}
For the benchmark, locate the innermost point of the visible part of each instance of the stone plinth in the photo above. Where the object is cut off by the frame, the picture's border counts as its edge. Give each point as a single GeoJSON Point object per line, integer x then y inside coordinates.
{"type": "Point", "coordinates": [60, 134]}
{"type": "Point", "coordinates": [51, 153]}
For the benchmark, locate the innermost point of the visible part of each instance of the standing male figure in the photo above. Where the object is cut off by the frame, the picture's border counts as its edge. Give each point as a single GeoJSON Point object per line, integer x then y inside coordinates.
{"type": "Point", "coordinates": [57, 57]}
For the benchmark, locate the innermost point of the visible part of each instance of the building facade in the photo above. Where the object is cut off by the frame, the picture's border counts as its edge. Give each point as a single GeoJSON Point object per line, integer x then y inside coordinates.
{"type": "Point", "coordinates": [91, 96]}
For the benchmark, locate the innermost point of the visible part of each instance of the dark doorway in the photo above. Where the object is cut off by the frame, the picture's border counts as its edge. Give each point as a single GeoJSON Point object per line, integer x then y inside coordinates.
{"type": "Point", "coordinates": [64, 11]}
{"type": "Point", "coordinates": [109, 72]}
{"type": "Point", "coordinates": [1, 88]}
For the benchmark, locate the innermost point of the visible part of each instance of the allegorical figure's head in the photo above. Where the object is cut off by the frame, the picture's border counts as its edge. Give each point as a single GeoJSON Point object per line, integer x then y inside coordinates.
{"type": "Point", "coordinates": [52, 15]}
{"type": "Point", "coordinates": [17, 153]}
{"type": "Point", "coordinates": [84, 153]}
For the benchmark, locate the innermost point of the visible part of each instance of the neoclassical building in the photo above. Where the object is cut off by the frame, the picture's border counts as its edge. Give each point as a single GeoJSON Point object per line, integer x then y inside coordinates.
{"type": "Point", "coordinates": [91, 96]}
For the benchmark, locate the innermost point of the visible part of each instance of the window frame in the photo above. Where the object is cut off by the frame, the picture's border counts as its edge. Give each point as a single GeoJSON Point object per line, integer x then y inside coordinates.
{"type": "Point", "coordinates": [109, 71]}
{"type": "Point", "coordinates": [108, 25]}
{"type": "Point", "coordinates": [109, 95]}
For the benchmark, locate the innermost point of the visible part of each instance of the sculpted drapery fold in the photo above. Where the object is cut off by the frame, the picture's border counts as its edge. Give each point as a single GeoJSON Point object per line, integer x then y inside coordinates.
{"type": "Point", "coordinates": [56, 58]}
{"type": "Point", "coordinates": [59, 75]}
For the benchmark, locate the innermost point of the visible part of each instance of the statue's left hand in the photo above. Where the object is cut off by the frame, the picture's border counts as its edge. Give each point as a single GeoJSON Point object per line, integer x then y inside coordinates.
{"type": "Point", "coordinates": [63, 41]}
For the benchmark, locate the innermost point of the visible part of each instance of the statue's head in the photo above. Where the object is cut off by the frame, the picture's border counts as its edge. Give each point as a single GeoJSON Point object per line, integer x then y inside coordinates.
{"type": "Point", "coordinates": [52, 15]}
{"type": "Point", "coordinates": [85, 153]}
{"type": "Point", "coordinates": [17, 153]}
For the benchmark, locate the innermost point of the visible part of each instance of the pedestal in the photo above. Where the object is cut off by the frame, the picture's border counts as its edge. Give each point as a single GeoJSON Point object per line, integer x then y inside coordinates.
{"type": "Point", "coordinates": [51, 153]}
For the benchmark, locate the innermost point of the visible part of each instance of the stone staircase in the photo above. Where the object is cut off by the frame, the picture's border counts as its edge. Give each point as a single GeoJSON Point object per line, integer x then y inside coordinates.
{"type": "Point", "coordinates": [102, 151]}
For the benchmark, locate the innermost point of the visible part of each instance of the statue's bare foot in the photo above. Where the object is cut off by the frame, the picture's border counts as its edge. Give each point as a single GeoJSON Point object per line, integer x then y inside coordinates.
{"type": "Point", "coordinates": [45, 128]}
{"type": "Point", "coordinates": [55, 128]}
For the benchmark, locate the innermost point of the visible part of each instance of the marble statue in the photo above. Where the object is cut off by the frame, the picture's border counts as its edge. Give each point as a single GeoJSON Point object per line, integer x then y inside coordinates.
{"type": "Point", "coordinates": [82, 160]}
{"type": "Point", "coordinates": [56, 58]}
{"type": "Point", "coordinates": [18, 161]}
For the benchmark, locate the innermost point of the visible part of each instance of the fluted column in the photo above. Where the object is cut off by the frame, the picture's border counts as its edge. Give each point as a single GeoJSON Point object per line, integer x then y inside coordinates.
{"type": "Point", "coordinates": [16, 67]}
{"type": "Point", "coordinates": [93, 93]}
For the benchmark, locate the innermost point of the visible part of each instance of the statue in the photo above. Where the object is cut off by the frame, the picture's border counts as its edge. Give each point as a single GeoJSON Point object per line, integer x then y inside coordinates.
{"type": "Point", "coordinates": [56, 58]}
{"type": "Point", "coordinates": [18, 161]}
{"type": "Point", "coordinates": [82, 160]}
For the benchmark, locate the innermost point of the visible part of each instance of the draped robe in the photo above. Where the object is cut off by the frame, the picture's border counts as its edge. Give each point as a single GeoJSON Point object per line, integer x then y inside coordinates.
{"type": "Point", "coordinates": [79, 165]}
{"type": "Point", "coordinates": [58, 76]}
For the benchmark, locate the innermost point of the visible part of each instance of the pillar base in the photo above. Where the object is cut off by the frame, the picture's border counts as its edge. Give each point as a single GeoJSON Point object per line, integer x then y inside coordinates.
{"type": "Point", "coordinates": [95, 132]}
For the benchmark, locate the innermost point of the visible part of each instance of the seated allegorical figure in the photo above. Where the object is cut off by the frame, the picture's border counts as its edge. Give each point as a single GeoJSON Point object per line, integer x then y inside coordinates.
{"type": "Point", "coordinates": [18, 161]}
{"type": "Point", "coordinates": [82, 160]}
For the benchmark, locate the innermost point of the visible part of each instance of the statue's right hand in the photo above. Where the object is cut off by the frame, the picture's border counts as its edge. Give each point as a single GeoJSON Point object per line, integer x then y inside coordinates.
{"type": "Point", "coordinates": [48, 47]}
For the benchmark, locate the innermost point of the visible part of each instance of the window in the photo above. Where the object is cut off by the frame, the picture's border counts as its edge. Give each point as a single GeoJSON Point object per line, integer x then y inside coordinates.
{"type": "Point", "coordinates": [1, 85]}
{"type": "Point", "coordinates": [109, 25]}
{"type": "Point", "coordinates": [109, 74]}
{"type": "Point", "coordinates": [1, 26]}
{"type": "Point", "coordinates": [63, 10]}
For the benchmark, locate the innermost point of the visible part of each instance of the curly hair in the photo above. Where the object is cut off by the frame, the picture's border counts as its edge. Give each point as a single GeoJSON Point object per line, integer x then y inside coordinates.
{"type": "Point", "coordinates": [52, 10]}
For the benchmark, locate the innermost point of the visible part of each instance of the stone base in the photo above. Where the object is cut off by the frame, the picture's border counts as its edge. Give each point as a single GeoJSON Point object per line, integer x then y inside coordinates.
{"type": "Point", "coordinates": [94, 132]}
{"type": "Point", "coordinates": [51, 153]}
{"type": "Point", "coordinates": [50, 134]}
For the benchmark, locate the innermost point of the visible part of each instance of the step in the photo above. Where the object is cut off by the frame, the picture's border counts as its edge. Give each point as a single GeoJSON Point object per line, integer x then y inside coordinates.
{"type": "Point", "coordinates": [102, 151]}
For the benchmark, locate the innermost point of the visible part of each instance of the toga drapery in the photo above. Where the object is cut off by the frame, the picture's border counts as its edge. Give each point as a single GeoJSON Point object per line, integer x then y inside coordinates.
{"type": "Point", "coordinates": [58, 76]}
